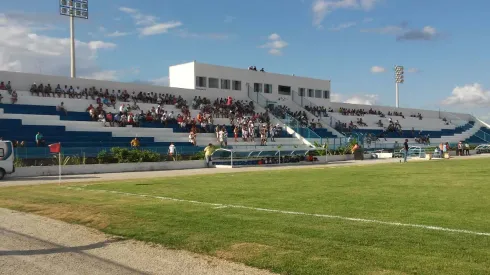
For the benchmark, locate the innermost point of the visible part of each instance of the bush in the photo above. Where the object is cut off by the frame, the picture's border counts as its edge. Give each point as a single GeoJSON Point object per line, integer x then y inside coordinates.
{"type": "Point", "coordinates": [103, 157]}
{"type": "Point", "coordinates": [198, 156]}
{"type": "Point", "coordinates": [125, 155]}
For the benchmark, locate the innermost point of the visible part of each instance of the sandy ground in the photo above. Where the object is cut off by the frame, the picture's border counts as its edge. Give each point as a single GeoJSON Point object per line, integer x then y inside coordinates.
{"type": "Point", "coordinates": [32, 244]}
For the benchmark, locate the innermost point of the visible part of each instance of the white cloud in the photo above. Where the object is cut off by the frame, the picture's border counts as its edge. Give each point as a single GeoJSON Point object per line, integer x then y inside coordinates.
{"type": "Point", "coordinates": [118, 34]}
{"type": "Point", "coordinates": [368, 4]}
{"type": "Point", "coordinates": [128, 10]}
{"type": "Point", "coordinates": [343, 26]}
{"type": "Point", "coordinates": [23, 47]}
{"type": "Point", "coordinates": [426, 33]}
{"type": "Point", "coordinates": [95, 45]}
{"type": "Point", "coordinates": [377, 69]}
{"type": "Point", "coordinates": [138, 17]}
{"type": "Point", "coordinates": [321, 8]}
{"type": "Point", "coordinates": [110, 75]}
{"type": "Point", "coordinates": [275, 44]}
{"type": "Point", "coordinates": [469, 95]}
{"type": "Point", "coordinates": [13, 66]}
{"type": "Point", "coordinates": [335, 97]}
{"type": "Point", "coordinates": [162, 81]}
{"type": "Point", "coordinates": [159, 28]}
{"type": "Point", "coordinates": [274, 36]}
{"type": "Point", "coordinates": [403, 33]}
{"type": "Point", "coordinates": [149, 24]}
{"type": "Point", "coordinates": [368, 99]}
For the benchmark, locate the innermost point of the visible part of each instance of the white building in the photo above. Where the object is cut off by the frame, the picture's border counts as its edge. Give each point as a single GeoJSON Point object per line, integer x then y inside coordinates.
{"type": "Point", "coordinates": [207, 77]}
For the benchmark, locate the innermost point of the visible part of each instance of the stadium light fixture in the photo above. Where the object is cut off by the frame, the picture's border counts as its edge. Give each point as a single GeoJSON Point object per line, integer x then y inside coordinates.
{"type": "Point", "coordinates": [72, 9]}
{"type": "Point", "coordinates": [399, 79]}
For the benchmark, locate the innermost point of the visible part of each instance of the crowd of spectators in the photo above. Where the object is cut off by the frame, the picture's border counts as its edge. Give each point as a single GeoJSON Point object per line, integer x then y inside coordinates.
{"type": "Point", "coordinates": [253, 68]}
{"type": "Point", "coordinates": [245, 122]}
{"type": "Point", "coordinates": [317, 111]}
{"type": "Point", "coordinates": [132, 114]}
{"type": "Point", "coordinates": [224, 107]}
{"type": "Point", "coordinates": [395, 113]}
{"type": "Point", "coordinates": [394, 127]}
{"type": "Point", "coordinates": [418, 115]}
{"type": "Point", "coordinates": [281, 111]}
{"type": "Point", "coordinates": [344, 127]}
{"type": "Point", "coordinates": [8, 87]}
{"type": "Point", "coordinates": [358, 112]}
{"type": "Point", "coordinates": [420, 138]}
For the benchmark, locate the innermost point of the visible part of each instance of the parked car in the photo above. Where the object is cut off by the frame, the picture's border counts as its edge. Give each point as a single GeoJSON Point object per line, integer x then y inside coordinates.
{"type": "Point", "coordinates": [483, 149]}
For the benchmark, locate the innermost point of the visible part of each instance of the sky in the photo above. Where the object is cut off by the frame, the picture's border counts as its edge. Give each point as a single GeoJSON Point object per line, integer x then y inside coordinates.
{"type": "Point", "coordinates": [443, 45]}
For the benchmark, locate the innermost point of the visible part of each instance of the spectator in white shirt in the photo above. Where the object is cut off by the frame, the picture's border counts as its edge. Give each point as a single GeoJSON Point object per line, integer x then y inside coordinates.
{"type": "Point", "coordinates": [171, 151]}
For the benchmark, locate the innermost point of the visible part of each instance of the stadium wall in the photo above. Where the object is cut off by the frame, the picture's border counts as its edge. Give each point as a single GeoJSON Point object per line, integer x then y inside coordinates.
{"type": "Point", "coordinates": [184, 76]}
{"type": "Point", "coordinates": [37, 171]}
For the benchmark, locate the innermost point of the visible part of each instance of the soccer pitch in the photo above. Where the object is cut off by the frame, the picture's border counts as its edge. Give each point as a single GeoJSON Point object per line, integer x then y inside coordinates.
{"type": "Point", "coordinates": [416, 218]}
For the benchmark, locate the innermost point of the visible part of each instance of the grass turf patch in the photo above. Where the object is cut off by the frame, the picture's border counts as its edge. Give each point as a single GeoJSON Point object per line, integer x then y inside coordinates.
{"type": "Point", "coordinates": [452, 194]}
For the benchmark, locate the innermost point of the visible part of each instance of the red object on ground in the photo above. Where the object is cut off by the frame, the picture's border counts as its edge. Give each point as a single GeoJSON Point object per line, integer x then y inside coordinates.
{"type": "Point", "coordinates": [55, 148]}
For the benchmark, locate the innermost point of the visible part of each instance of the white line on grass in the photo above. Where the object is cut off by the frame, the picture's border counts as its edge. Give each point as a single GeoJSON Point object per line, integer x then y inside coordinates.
{"type": "Point", "coordinates": [219, 206]}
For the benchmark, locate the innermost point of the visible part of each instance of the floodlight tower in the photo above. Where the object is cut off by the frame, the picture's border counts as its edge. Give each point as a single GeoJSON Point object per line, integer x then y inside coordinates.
{"type": "Point", "coordinates": [398, 80]}
{"type": "Point", "coordinates": [72, 9]}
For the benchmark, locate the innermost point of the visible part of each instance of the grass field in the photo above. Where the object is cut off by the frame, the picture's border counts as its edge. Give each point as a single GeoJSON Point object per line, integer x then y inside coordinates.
{"type": "Point", "coordinates": [450, 194]}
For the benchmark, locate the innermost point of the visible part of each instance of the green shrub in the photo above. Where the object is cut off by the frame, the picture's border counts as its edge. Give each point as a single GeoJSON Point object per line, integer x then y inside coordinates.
{"type": "Point", "coordinates": [103, 157]}
{"type": "Point", "coordinates": [18, 162]}
{"type": "Point", "coordinates": [125, 155]}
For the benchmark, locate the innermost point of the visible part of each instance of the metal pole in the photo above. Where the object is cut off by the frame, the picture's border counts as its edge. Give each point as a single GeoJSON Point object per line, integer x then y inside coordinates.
{"type": "Point", "coordinates": [59, 168]}
{"type": "Point", "coordinates": [72, 39]}
{"type": "Point", "coordinates": [397, 95]}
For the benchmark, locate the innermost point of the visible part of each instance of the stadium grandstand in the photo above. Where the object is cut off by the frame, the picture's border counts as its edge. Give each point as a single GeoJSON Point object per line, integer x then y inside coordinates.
{"type": "Point", "coordinates": [256, 109]}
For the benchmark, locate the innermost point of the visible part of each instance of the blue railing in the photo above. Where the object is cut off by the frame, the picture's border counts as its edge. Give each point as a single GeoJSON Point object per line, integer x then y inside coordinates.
{"type": "Point", "coordinates": [288, 120]}
{"type": "Point", "coordinates": [483, 136]}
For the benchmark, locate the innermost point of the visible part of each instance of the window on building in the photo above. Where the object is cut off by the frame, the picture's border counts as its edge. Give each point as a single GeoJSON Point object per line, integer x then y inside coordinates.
{"type": "Point", "coordinates": [301, 91]}
{"type": "Point", "coordinates": [284, 90]}
{"type": "Point", "coordinates": [326, 94]}
{"type": "Point", "coordinates": [237, 85]}
{"type": "Point", "coordinates": [318, 93]}
{"type": "Point", "coordinates": [200, 81]}
{"type": "Point", "coordinates": [213, 83]}
{"type": "Point", "coordinates": [268, 88]}
{"type": "Point", "coordinates": [225, 84]}
{"type": "Point", "coordinates": [258, 87]}
{"type": "Point", "coordinates": [311, 93]}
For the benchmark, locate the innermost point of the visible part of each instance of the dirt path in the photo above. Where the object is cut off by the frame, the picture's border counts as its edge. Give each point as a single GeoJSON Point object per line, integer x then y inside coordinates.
{"type": "Point", "coordinates": [32, 244]}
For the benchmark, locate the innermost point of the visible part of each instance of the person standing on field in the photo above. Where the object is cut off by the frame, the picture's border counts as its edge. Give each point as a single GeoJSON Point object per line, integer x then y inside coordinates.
{"type": "Point", "coordinates": [405, 147]}
{"type": "Point", "coordinates": [171, 151]}
{"type": "Point", "coordinates": [208, 152]}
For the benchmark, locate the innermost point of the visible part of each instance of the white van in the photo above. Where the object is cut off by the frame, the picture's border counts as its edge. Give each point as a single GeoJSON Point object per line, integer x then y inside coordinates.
{"type": "Point", "coordinates": [6, 158]}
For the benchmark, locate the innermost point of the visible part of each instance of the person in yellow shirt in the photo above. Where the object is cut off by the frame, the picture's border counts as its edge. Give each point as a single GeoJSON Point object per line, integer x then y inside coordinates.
{"type": "Point", "coordinates": [135, 142]}
{"type": "Point", "coordinates": [208, 152]}
{"type": "Point", "coordinates": [355, 148]}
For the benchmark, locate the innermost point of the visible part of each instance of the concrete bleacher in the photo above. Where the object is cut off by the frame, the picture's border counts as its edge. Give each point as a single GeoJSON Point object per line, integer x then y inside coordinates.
{"type": "Point", "coordinates": [75, 129]}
